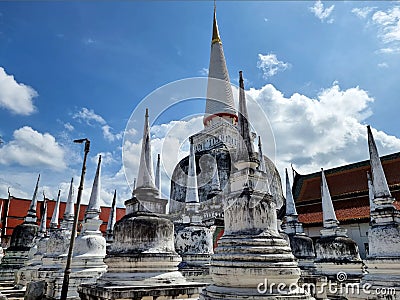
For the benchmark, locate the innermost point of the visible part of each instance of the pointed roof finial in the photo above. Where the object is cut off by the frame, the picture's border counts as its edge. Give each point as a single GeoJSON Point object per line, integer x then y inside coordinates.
{"type": "Point", "coordinates": [1, 217]}
{"type": "Point", "coordinates": [31, 215]}
{"type": "Point", "coordinates": [113, 216]}
{"type": "Point", "coordinates": [93, 209]}
{"type": "Point", "coordinates": [192, 195]}
{"type": "Point", "coordinates": [290, 205]}
{"type": "Point", "coordinates": [43, 228]}
{"type": "Point", "coordinates": [56, 212]}
{"type": "Point", "coordinates": [215, 37]}
{"type": "Point", "coordinates": [215, 183]}
{"type": "Point", "coordinates": [133, 188]}
{"type": "Point", "coordinates": [243, 123]}
{"type": "Point", "coordinates": [158, 175]}
{"type": "Point", "coordinates": [145, 175]}
{"type": "Point", "coordinates": [261, 165]}
{"type": "Point", "coordinates": [219, 101]}
{"type": "Point", "coordinates": [371, 192]}
{"type": "Point", "coordinates": [69, 213]}
{"type": "Point", "coordinates": [294, 172]}
{"type": "Point", "coordinates": [381, 188]}
{"type": "Point", "coordinates": [328, 212]}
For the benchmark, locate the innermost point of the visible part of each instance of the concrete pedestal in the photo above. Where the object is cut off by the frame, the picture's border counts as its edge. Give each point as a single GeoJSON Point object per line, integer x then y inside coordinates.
{"type": "Point", "coordinates": [22, 240]}
{"type": "Point", "coordinates": [194, 243]}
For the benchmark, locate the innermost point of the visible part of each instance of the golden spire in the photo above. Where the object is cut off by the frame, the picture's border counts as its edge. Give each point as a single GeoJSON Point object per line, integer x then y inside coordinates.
{"type": "Point", "coordinates": [215, 36]}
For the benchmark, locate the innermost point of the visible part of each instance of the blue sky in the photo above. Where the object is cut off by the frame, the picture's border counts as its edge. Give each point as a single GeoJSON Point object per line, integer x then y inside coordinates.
{"type": "Point", "coordinates": [81, 68]}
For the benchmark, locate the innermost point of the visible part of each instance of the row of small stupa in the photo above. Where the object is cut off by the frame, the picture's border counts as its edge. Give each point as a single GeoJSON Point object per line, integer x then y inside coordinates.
{"type": "Point", "coordinates": [336, 256]}
{"type": "Point", "coordinates": [253, 259]}
{"type": "Point", "coordinates": [37, 256]}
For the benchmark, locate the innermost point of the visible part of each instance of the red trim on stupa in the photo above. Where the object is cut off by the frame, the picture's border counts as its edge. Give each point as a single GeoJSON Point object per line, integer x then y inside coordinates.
{"type": "Point", "coordinates": [222, 114]}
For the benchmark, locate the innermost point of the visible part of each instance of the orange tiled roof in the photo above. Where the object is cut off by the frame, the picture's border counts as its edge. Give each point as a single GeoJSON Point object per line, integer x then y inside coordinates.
{"type": "Point", "coordinates": [349, 190]}
{"type": "Point", "coordinates": [344, 215]}
{"type": "Point", "coordinates": [18, 208]}
{"type": "Point", "coordinates": [345, 180]}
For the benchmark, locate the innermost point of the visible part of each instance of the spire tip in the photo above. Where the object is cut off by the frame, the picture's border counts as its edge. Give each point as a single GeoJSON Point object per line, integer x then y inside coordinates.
{"type": "Point", "coordinates": [215, 37]}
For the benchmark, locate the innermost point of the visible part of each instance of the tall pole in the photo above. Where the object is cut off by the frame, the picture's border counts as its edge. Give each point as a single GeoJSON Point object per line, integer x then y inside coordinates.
{"type": "Point", "coordinates": [67, 272]}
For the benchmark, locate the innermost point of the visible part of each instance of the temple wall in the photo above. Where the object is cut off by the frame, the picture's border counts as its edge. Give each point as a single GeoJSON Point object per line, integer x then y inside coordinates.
{"type": "Point", "coordinates": [355, 231]}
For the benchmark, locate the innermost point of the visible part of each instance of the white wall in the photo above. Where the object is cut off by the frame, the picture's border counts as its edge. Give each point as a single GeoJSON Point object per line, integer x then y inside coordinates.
{"type": "Point", "coordinates": [357, 232]}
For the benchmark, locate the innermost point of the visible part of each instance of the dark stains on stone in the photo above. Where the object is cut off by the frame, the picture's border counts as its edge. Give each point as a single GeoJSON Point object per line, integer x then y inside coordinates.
{"type": "Point", "coordinates": [22, 238]}
{"type": "Point", "coordinates": [302, 246]}
{"type": "Point", "coordinates": [141, 231]}
{"type": "Point", "coordinates": [336, 249]}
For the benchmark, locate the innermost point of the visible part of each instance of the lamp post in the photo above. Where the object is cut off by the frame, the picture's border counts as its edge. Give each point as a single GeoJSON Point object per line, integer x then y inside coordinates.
{"type": "Point", "coordinates": [67, 272]}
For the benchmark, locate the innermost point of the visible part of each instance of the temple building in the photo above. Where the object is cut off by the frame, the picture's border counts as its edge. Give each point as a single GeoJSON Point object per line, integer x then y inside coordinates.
{"type": "Point", "coordinates": [348, 186]}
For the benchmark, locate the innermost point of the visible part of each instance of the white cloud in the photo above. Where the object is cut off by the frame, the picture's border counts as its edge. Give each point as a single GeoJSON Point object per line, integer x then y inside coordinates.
{"type": "Point", "coordinates": [363, 12]}
{"type": "Point", "coordinates": [389, 50]}
{"type": "Point", "coordinates": [88, 41]}
{"type": "Point", "coordinates": [327, 131]}
{"type": "Point", "coordinates": [131, 132]}
{"type": "Point", "coordinates": [383, 65]}
{"type": "Point", "coordinates": [88, 116]}
{"type": "Point", "coordinates": [270, 65]}
{"type": "Point", "coordinates": [32, 148]}
{"type": "Point", "coordinates": [68, 126]}
{"type": "Point", "coordinates": [203, 72]}
{"type": "Point", "coordinates": [106, 158]}
{"type": "Point", "coordinates": [14, 96]}
{"type": "Point", "coordinates": [108, 135]}
{"type": "Point", "coordinates": [324, 132]}
{"type": "Point", "coordinates": [388, 23]}
{"type": "Point", "coordinates": [322, 13]}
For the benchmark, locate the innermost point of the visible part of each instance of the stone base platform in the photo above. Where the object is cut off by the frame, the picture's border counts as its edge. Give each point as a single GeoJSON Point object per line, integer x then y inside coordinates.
{"type": "Point", "coordinates": [196, 267]}
{"type": "Point", "coordinates": [350, 270]}
{"type": "Point", "coordinates": [7, 291]}
{"type": "Point", "coordinates": [213, 292]}
{"type": "Point", "coordinates": [188, 290]}
{"type": "Point", "coordinates": [195, 273]}
{"type": "Point", "coordinates": [382, 279]}
{"type": "Point", "coordinates": [12, 262]}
